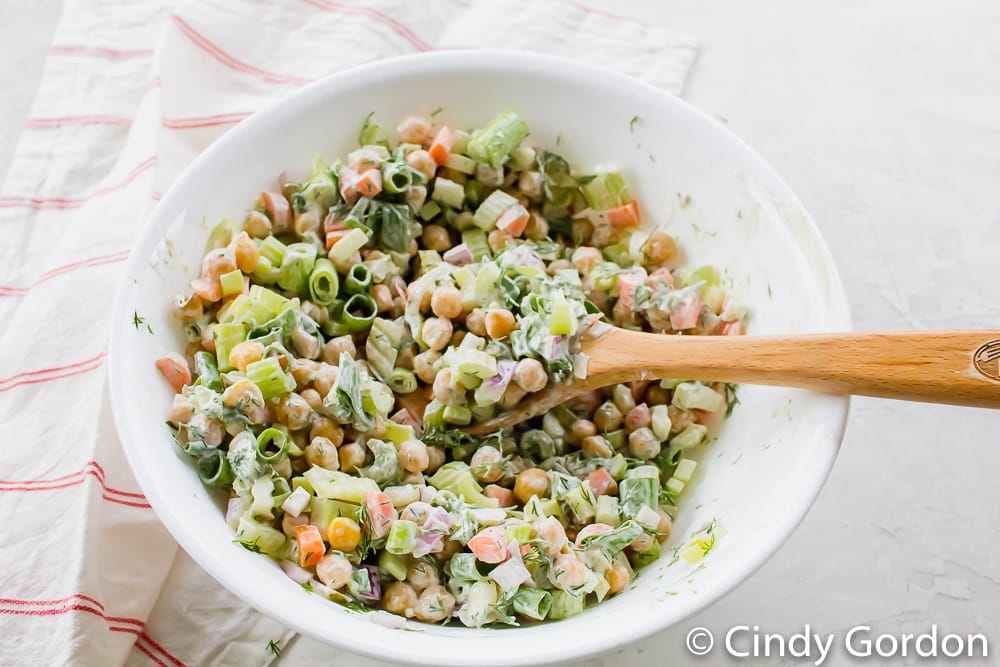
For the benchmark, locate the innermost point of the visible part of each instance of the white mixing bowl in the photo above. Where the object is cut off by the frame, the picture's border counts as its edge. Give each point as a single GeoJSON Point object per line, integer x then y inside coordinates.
{"type": "Point", "coordinates": [724, 204]}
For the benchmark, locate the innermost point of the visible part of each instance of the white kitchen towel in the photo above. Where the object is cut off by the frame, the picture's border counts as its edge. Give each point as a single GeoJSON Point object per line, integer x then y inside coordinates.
{"type": "Point", "coordinates": [132, 91]}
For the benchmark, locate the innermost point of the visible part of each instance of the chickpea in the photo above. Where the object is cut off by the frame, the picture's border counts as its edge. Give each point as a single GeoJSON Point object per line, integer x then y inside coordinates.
{"type": "Point", "coordinates": [657, 395]}
{"type": "Point", "coordinates": [324, 427]}
{"type": "Point", "coordinates": [422, 161]}
{"type": "Point", "coordinates": [447, 302]}
{"type": "Point", "coordinates": [608, 417]}
{"type": "Point", "coordinates": [659, 248]}
{"type": "Point", "coordinates": [400, 598]}
{"type": "Point", "coordinates": [421, 574]}
{"type": "Point", "coordinates": [257, 225]}
{"type": "Point", "coordinates": [243, 395]}
{"type": "Point", "coordinates": [343, 534]}
{"type": "Point", "coordinates": [436, 332]}
{"type": "Point", "coordinates": [415, 198]}
{"type": "Point", "coordinates": [549, 530]}
{"type": "Point", "coordinates": [435, 604]}
{"type": "Point", "coordinates": [337, 346]}
{"type": "Point", "coordinates": [475, 322]}
{"type": "Point", "coordinates": [531, 482]}
{"type": "Point", "coordinates": [435, 458]}
{"type": "Point", "coordinates": [289, 523]}
{"type": "Point", "coordinates": [321, 452]}
{"type": "Point", "coordinates": [313, 398]}
{"type": "Point", "coordinates": [664, 527]}
{"type": "Point", "coordinates": [490, 177]}
{"type": "Point", "coordinates": [499, 322]}
{"type": "Point", "coordinates": [207, 339]}
{"type": "Point", "coordinates": [304, 370]}
{"type": "Point", "coordinates": [416, 512]}
{"type": "Point", "coordinates": [450, 548]}
{"type": "Point", "coordinates": [680, 419]}
{"type": "Point", "coordinates": [188, 309]}
{"type": "Point", "coordinates": [218, 262]}
{"type": "Point", "coordinates": [245, 353]}
{"type": "Point", "coordinates": [585, 258]}
{"type": "Point", "coordinates": [512, 395]}
{"type": "Point", "coordinates": [413, 456]}
{"type": "Point", "coordinates": [637, 417]}
{"type": "Point", "coordinates": [423, 365]}
{"type": "Point", "coordinates": [486, 465]}
{"type": "Point", "coordinates": [334, 570]}
{"type": "Point", "coordinates": [530, 185]}
{"type": "Point", "coordinates": [284, 467]}
{"type": "Point", "coordinates": [363, 159]}
{"type": "Point", "coordinates": [617, 577]}
{"type": "Point", "coordinates": [643, 444]}
{"type": "Point", "coordinates": [383, 298]}
{"type": "Point", "coordinates": [315, 312]}
{"type": "Point", "coordinates": [324, 378]}
{"type": "Point", "coordinates": [580, 429]}
{"type": "Point", "coordinates": [642, 543]}
{"type": "Point", "coordinates": [498, 239]}
{"type": "Point", "coordinates": [181, 410]}
{"type": "Point", "coordinates": [305, 223]}
{"type": "Point", "coordinates": [605, 235]}
{"type": "Point", "coordinates": [442, 389]}
{"type": "Point", "coordinates": [414, 130]}
{"type": "Point", "coordinates": [352, 456]}
{"type": "Point", "coordinates": [436, 237]}
{"type": "Point", "coordinates": [595, 446]}
{"type": "Point", "coordinates": [537, 228]}
{"type": "Point", "coordinates": [622, 396]}
{"type": "Point", "coordinates": [293, 411]}
{"type": "Point", "coordinates": [568, 571]}
{"type": "Point", "coordinates": [558, 265]}
{"type": "Point", "coordinates": [305, 344]}
{"type": "Point", "coordinates": [529, 375]}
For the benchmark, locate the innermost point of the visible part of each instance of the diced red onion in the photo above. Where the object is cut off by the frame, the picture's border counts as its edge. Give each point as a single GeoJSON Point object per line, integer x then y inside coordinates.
{"type": "Point", "coordinates": [460, 255]}
{"type": "Point", "coordinates": [373, 582]}
{"type": "Point", "coordinates": [555, 347]}
{"type": "Point", "coordinates": [511, 574]}
{"type": "Point", "coordinates": [294, 572]}
{"type": "Point", "coordinates": [492, 389]}
{"type": "Point", "coordinates": [437, 521]}
{"type": "Point", "coordinates": [427, 543]}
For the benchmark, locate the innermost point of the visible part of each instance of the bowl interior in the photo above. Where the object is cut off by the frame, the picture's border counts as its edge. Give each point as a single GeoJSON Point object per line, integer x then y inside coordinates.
{"type": "Point", "coordinates": [691, 175]}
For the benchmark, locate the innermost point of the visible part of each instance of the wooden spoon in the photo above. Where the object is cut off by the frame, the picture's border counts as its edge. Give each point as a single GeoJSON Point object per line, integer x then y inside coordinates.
{"type": "Point", "coordinates": [956, 367]}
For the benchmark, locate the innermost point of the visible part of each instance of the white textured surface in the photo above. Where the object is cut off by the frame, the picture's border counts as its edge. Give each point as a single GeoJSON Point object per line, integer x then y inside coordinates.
{"type": "Point", "coordinates": [885, 118]}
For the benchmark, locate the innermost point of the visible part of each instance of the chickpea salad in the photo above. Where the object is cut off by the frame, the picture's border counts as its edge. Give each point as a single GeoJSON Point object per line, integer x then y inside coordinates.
{"type": "Point", "coordinates": [342, 334]}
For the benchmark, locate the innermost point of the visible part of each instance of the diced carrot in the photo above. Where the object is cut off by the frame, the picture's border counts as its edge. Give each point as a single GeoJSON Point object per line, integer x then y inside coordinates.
{"type": "Point", "coordinates": [591, 530]}
{"type": "Point", "coordinates": [369, 183]}
{"type": "Point", "coordinates": [175, 369]}
{"type": "Point", "coordinates": [441, 146]}
{"type": "Point", "coordinates": [661, 274]}
{"type": "Point", "coordinates": [601, 482]}
{"type": "Point", "coordinates": [490, 544]}
{"type": "Point", "coordinates": [685, 315]}
{"type": "Point", "coordinates": [311, 548]}
{"type": "Point", "coordinates": [381, 511]}
{"type": "Point", "coordinates": [208, 289]}
{"type": "Point", "coordinates": [731, 328]}
{"type": "Point", "coordinates": [514, 220]}
{"type": "Point", "coordinates": [626, 215]}
{"type": "Point", "coordinates": [502, 494]}
{"type": "Point", "coordinates": [333, 236]}
{"type": "Point", "coordinates": [627, 284]}
{"type": "Point", "coordinates": [331, 224]}
{"type": "Point", "coordinates": [278, 210]}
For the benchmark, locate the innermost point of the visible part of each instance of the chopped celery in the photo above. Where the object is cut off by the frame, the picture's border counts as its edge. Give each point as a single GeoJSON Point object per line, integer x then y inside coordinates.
{"type": "Point", "coordinates": [617, 440]}
{"type": "Point", "coordinates": [616, 540]}
{"type": "Point", "coordinates": [260, 537]}
{"type": "Point", "coordinates": [634, 494]}
{"type": "Point", "coordinates": [522, 158]}
{"type": "Point", "coordinates": [606, 511]}
{"type": "Point", "coordinates": [324, 282]}
{"type": "Point", "coordinates": [456, 477]}
{"type": "Point", "coordinates": [565, 604]}
{"type": "Point", "coordinates": [685, 468]}
{"type": "Point", "coordinates": [338, 485]}
{"type": "Point", "coordinates": [692, 436]}
{"type": "Point", "coordinates": [429, 210]}
{"type": "Point", "coordinates": [640, 558]}
{"type": "Point", "coordinates": [532, 602]}
{"type": "Point", "coordinates": [495, 142]}
{"type": "Point", "coordinates": [273, 250]}
{"type": "Point", "coordinates": [561, 322]}
{"type": "Point", "coordinates": [353, 241]}
{"type": "Point", "coordinates": [459, 415]}
{"type": "Point", "coordinates": [403, 494]}
{"type": "Point", "coordinates": [429, 258]}
{"type": "Point", "coordinates": [395, 564]}
{"type": "Point", "coordinates": [460, 163]}
{"type": "Point", "coordinates": [398, 433]}
{"type": "Point", "coordinates": [492, 208]}
{"type": "Point", "coordinates": [448, 192]}
{"type": "Point", "coordinates": [617, 467]}
{"type": "Point", "coordinates": [270, 378]}
{"type": "Point", "coordinates": [475, 241]}
{"type": "Point", "coordinates": [467, 361]}
{"type": "Point", "coordinates": [232, 282]}
{"type": "Point", "coordinates": [324, 510]}
{"type": "Point", "coordinates": [226, 337]}
{"type": "Point", "coordinates": [644, 471]}
{"type": "Point", "coordinates": [606, 191]}
{"type": "Point", "coordinates": [674, 486]}
{"type": "Point", "coordinates": [296, 267]}
{"type": "Point", "coordinates": [581, 501]}
{"type": "Point", "coordinates": [402, 537]}
{"type": "Point", "coordinates": [694, 395]}
{"type": "Point", "coordinates": [521, 533]}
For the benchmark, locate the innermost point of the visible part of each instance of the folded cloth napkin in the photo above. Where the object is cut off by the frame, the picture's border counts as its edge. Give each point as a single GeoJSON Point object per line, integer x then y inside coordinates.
{"type": "Point", "coordinates": [132, 91]}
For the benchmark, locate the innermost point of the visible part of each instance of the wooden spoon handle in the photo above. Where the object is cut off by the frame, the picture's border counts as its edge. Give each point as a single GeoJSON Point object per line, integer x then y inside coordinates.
{"type": "Point", "coordinates": [957, 367]}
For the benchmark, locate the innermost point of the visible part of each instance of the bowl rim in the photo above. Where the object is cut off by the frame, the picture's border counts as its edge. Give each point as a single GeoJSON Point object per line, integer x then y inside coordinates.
{"type": "Point", "coordinates": [441, 62]}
